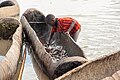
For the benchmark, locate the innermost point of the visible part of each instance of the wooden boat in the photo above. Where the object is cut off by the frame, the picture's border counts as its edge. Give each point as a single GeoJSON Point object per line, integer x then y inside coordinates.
{"type": "Point", "coordinates": [104, 68]}
{"type": "Point", "coordinates": [10, 47]}
{"type": "Point", "coordinates": [37, 31]}
{"type": "Point", "coordinates": [9, 8]}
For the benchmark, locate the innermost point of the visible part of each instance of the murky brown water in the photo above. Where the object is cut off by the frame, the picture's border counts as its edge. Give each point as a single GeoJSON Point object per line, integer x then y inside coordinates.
{"type": "Point", "coordinates": [100, 21]}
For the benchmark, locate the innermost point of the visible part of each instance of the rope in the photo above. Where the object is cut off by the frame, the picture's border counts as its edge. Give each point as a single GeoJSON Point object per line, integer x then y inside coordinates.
{"type": "Point", "coordinates": [22, 66]}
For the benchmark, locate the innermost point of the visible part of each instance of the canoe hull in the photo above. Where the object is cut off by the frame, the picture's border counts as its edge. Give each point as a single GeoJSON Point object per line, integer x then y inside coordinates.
{"type": "Point", "coordinates": [10, 11]}
{"type": "Point", "coordinates": [8, 65]}
{"type": "Point", "coordinates": [96, 69]}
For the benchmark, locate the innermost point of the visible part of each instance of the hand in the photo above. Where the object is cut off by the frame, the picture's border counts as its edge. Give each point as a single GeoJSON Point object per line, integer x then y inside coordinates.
{"type": "Point", "coordinates": [67, 33]}
{"type": "Point", "coordinates": [47, 44]}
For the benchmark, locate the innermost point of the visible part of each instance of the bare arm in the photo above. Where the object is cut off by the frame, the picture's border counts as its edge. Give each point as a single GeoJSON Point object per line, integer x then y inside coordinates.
{"type": "Point", "coordinates": [51, 37]}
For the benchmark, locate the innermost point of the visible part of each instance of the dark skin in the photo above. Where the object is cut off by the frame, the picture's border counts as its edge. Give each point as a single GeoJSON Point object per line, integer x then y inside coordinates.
{"type": "Point", "coordinates": [52, 23]}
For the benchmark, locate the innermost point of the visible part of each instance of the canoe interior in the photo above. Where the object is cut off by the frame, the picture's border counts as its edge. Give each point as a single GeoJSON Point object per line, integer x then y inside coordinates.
{"type": "Point", "coordinates": [6, 44]}
{"type": "Point", "coordinates": [7, 29]}
{"type": "Point", "coordinates": [64, 40]}
{"type": "Point", "coordinates": [41, 29]}
{"type": "Point", "coordinates": [9, 8]}
{"type": "Point", "coordinates": [6, 3]}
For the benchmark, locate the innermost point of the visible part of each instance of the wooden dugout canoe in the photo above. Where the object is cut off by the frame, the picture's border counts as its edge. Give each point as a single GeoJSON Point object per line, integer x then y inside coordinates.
{"type": "Point", "coordinates": [105, 68]}
{"type": "Point", "coordinates": [10, 46]}
{"type": "Point", "coordinates": [37, 35]}
{"type": "Point", "coordinates": [9, 8]}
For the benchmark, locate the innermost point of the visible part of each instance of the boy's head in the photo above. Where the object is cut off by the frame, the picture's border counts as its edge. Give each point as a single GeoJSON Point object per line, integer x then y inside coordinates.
{"type": "Point", "coordinates": [50, 19]}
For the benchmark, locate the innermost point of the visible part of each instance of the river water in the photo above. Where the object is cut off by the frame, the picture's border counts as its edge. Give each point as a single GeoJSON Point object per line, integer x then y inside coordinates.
{"type": "Point", "coordinates": [100, 21]}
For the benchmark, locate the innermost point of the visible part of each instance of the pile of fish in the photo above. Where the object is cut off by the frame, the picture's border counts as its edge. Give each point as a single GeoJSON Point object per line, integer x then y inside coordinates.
{"type": "Point", "coordinates": [57, 52]}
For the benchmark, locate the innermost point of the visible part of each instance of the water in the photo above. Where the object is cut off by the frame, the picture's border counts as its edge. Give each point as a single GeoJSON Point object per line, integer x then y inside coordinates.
{"type": "Point", "coordinates": [100, 21]}
{"type": "Point", "coordinates": [1, 57]}
{"type": "Point", "coordinates": [29, 73]}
